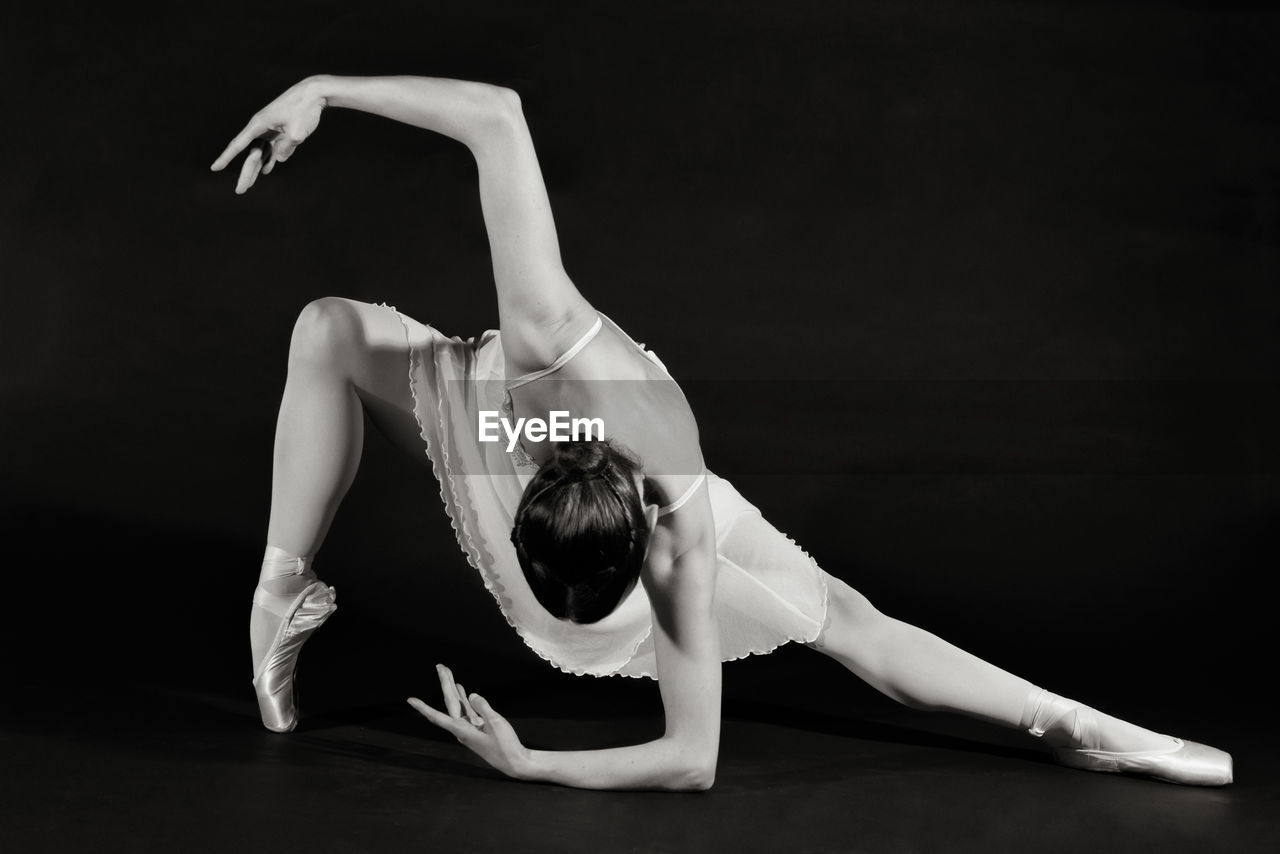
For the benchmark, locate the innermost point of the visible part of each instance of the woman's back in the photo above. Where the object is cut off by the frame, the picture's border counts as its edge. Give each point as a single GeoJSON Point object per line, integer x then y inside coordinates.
{"type": "Point", "coordinates": [605, 375]}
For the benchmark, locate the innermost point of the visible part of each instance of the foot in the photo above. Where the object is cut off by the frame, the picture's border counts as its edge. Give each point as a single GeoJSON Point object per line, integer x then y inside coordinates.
{"type": "Point", "coordinates": [1103, 733]}
{"type": "Point", "coordinates": [273, 675]}
{"type": "Point", "coordinates": [1187, 763]}
{"type": "Point", "coordinates": [1085, 738]}
{"type": "Point", "coordinates": [289, 604]}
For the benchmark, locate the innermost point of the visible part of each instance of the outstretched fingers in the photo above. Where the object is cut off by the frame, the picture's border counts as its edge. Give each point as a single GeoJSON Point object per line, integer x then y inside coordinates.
{"type": "Point", "coordinates": [255, 128]}
{"type": "Point", "coordinates": [465, 714]}
{"type": "Point", "coordinates": [250, 170]}
{"type": "Point", "coordinates": [467, 709]}
{"type": "Point", "coordinates": [267, 146]}
{"type": "Point", "coordinates": [486, 713]}
{"type": "Point", "coordinates": [450, 690]}
{"type": "Point", "coordinates": [447, 723]}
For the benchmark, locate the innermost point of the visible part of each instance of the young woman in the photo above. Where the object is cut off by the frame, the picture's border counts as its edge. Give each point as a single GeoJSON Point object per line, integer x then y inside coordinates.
{"type": "Point", "coordinates": [620, 555]}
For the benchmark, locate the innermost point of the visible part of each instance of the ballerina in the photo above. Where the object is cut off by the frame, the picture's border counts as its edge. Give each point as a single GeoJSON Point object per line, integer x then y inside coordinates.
{"type": "Point", "coordinates": [617, 554]}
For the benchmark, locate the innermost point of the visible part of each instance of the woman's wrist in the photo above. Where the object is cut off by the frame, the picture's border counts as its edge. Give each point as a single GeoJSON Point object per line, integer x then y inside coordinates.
{"type": "Point", "coordinates": [464, 110]}
{"type": "Point", "coordinates": [325, 87]}
{"type": "Point", "coordinates": [528, 766]}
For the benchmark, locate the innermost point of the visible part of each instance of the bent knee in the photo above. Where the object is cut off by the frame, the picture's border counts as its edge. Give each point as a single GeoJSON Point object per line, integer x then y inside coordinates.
{"type": "Point", "coordinates": [327, 330]}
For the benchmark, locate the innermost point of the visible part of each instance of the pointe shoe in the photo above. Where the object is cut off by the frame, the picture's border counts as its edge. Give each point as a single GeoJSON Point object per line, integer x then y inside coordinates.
{"type": "Point", "coordinates": [1186, 762]}
{"type": "Point", "coordinates": [274, 679]}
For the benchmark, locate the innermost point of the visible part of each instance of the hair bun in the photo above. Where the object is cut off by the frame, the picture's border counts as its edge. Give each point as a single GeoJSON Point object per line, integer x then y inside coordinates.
{"type": "Point", "coordinates": [582, 459]}
{"type": "Point", "coordinates": [580, 531]}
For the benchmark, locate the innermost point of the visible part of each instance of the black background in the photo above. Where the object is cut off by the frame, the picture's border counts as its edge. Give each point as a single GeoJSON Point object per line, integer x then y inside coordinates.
{"type": "Point", "coordinates": [976, 301]}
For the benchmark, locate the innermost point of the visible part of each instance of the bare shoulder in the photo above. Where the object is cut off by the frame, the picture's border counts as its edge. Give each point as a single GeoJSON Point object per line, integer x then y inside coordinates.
{"type": "Point", "coordinates": [681, 561]}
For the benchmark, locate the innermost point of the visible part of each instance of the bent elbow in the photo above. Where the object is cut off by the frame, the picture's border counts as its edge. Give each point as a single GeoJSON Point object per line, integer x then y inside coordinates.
{"type": "Point", "coordinates": [503, 107]}
{"type": "Point", "coordinates": [697, 776]}
{"type": "Point", "coordinates": [501, 122]}
{"type": "Point", "coordinates": [509, 100]}
{"type": "Point", "coordinates": [702, 780]}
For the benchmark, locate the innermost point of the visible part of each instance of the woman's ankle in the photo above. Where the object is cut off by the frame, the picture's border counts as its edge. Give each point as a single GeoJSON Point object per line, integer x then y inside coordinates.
{"type": "Point", "coordinates": [1061, 722]}
{"type": "Point", "coordinates": [285, 574]}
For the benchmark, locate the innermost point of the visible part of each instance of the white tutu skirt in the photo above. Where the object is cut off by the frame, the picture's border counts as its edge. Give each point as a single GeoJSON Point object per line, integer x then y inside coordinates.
{"type": "Point", "coordinates": [768, 590]}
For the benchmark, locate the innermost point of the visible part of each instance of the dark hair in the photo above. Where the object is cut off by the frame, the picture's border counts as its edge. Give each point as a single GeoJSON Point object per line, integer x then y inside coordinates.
{"type": "Point", "coordinates": [580, 532]}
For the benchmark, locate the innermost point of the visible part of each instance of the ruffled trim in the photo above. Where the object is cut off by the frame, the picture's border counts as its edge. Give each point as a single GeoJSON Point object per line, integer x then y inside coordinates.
{"type": "Point", "coordinates": [825, 621]}
{"type": "Point", "coordinates": [460, 528]}
{"type": "Point", "coordinates": [462, 533]}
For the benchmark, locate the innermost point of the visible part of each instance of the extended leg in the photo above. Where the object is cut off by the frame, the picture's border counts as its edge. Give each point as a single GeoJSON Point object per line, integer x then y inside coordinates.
{"type": "Point", "coordinates": [923, 671]}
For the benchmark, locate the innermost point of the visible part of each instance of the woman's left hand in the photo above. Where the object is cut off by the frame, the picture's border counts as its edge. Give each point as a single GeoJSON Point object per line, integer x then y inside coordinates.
{"type": "Point", "coordinates": [476, 725]}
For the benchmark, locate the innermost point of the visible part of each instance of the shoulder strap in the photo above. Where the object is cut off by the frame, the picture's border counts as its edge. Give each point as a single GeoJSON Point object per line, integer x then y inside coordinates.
{"type": "Point", "coordinates": [684, 499]}
{"type": "Point", "coordinates": [562, 361]}
{"type": "Point", "coordinates": [640, 348]}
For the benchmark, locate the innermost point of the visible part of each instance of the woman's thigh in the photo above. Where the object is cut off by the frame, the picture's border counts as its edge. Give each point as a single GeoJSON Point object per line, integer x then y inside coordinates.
{"type": "Point", "coordinates": [779, 569]}
{"type": "Point", "coordinates": [368, 344]}
{"type": "Point", "coordinates": [778, 563]}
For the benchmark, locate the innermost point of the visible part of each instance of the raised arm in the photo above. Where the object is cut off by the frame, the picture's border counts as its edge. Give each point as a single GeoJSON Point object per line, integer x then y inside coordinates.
{"type": "Point", "coordinates": [539, 308]}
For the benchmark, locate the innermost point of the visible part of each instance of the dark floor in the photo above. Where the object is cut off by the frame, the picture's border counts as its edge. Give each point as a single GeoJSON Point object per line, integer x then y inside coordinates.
{"type": "Point", "coordinates": [130, 724]}
{"type": "Point", "coordinates": [158, 765]}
